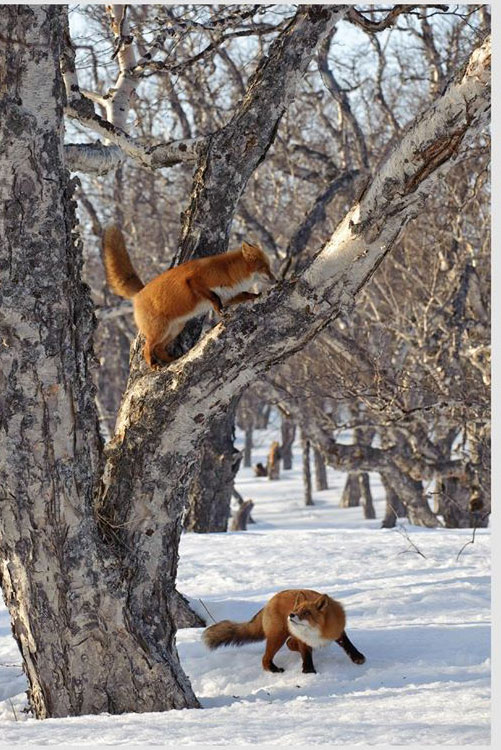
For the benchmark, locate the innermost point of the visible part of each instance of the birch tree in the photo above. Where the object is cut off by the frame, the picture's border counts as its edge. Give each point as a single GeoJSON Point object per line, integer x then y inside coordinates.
{"type": "Point", "coordinates": [89, 540]}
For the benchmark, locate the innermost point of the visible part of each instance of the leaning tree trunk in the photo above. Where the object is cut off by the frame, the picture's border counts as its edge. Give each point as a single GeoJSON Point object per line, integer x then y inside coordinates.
{"type": "Point", "coordinates": [82, 650]}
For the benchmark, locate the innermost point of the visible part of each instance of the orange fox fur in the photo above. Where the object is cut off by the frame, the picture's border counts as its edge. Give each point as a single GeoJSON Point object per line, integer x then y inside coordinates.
{"type": "Point", "coordinates": [301, 618]}
{"type": "Point", "coordinates": [164, 305]}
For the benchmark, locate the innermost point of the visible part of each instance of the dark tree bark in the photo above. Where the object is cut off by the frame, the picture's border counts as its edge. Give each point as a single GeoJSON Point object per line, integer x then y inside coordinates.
{"type": "Point", "coordinates": [320, 471]}
{"type": "Point", "coordinates": [366, 495]}
{"type": "Point", "coordinates": [210, 493]}
{"type": "Point", "coordinates": [263, 417]}
{"type": "Point", "coordinates": [350, 497]}
{"type": "Point", "coordinates": [288, 429]}
{"type": "Point", "coordinates": [242, 516]}
{"type": "Point", "coordinates": [394, 507]}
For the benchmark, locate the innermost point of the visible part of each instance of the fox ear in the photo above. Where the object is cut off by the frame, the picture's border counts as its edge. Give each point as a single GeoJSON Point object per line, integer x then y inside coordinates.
{"type": "Point", "coordinates": [250, 252]}
{"type": "Point", "coordinates": [300, 597]}
{"type": "Point", "coordinates": [322, 602]}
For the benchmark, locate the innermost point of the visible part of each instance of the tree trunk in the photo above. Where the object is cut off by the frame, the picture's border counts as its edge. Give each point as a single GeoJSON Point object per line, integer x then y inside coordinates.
{"type": "Point", "coordinates": [306, 446]}
{"type": "Point", "coordinates": [288, 429]}
{"type": "Point", "coordinates": [209, 497]}
{"type": "Point", "coordinates": [351, 492]}
{"type": "Point", "coordinates": [366, 495]}
{"type": "Point", "coordinates": [394, 506]}
{"type": "Point", "coordinates": [263, 417]}
{"type": "Point", "coordinates": [320, 471]}
{"type": "Point", "coordinates": [82, 648]}
{"type": "Point", "coordinates": [248, 446]}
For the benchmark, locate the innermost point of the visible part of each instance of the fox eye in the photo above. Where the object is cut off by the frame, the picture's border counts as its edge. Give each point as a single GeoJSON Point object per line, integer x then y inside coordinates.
{"type": "Point", "coordinates": [307, 613]}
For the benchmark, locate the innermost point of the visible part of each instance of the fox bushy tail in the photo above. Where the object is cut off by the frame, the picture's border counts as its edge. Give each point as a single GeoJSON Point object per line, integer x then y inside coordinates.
{"type": "Point", "coordinates": [228, 633]}
{"type": "Point", "coordinates": [120, 273]}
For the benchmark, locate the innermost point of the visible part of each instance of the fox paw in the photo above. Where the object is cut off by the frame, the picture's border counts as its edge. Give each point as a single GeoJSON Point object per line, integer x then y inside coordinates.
{"type": "Point", "coordinates": [274, 668]}
{"type": "Point", "coordinates": [359, 659]}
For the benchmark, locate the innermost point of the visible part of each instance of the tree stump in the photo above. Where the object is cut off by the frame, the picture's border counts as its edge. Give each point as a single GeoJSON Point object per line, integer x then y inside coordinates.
{"type": "Point", "coordinates": [260, 470]}
{"type": "Point", "coordinates": [274, 461]}
{"type": "Point", "coordinates": [242, 516]}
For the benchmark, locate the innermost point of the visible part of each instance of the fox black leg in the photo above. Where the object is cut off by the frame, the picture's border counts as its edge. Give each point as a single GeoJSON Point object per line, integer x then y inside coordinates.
{"type": "Point", "coordinates": [350, 649]}
{"type": "Point", "coordinates": [308, 666]}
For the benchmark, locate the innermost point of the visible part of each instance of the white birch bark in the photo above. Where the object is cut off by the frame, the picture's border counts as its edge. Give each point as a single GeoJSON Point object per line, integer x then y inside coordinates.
{"type": "Point", "coordinates": [63, 586]}
{"type": "Point", "coordinates": [99, 158]}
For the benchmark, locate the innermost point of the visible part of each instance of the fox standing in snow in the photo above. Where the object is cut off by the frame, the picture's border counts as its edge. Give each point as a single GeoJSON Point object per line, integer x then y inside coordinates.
{"type": "Point", "coordinates": [301, 618]}
{"type": "Point", "coordinates": [164, 305]}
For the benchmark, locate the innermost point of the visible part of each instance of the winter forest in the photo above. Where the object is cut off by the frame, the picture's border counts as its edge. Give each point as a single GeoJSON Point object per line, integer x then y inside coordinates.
{"type": "Point", "coordinates": [307, 413]}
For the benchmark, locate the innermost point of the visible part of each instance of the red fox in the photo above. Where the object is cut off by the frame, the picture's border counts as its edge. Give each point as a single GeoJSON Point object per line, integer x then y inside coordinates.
{"type": "Point", "coordinates": [164, 305]}
{"type": "Point", "coordinates": [301, 618]}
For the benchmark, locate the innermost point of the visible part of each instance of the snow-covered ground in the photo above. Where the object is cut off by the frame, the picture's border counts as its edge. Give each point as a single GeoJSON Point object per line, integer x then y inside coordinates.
{"type": "Point", "coordinates": [422, 621]}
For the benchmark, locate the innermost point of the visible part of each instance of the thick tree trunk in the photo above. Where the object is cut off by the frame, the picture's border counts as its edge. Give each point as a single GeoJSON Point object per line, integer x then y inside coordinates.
{"type": "Point", "coordinates": [82, 648]}
{"type": "Point", "coordinates": [210, 493]}
{"type": "Point", "coordinates": [350, 497]}
{"type": "Point", "coordinates": [394, 507]}
{"type": "Point", "coordinates": [320, 471]}
{"type": "Point", "coordinates": [288, 429]}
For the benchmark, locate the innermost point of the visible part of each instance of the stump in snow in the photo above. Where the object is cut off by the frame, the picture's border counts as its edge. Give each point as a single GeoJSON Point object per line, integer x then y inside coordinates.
{"type": "Point", "coordinates": [242, 516]}
{"type": "Point", "coordinates": [238, 497]}
{"type": "Point", "coordinates": [260, 470]}
{"type": "Point", "coordinates": [274, 461]}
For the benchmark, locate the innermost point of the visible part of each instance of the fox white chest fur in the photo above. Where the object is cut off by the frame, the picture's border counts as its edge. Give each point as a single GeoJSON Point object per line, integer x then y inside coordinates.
{"type": "Point", "coordinates": [227, 292]}
{"type": "Point", "coordinates": [307, 633]}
